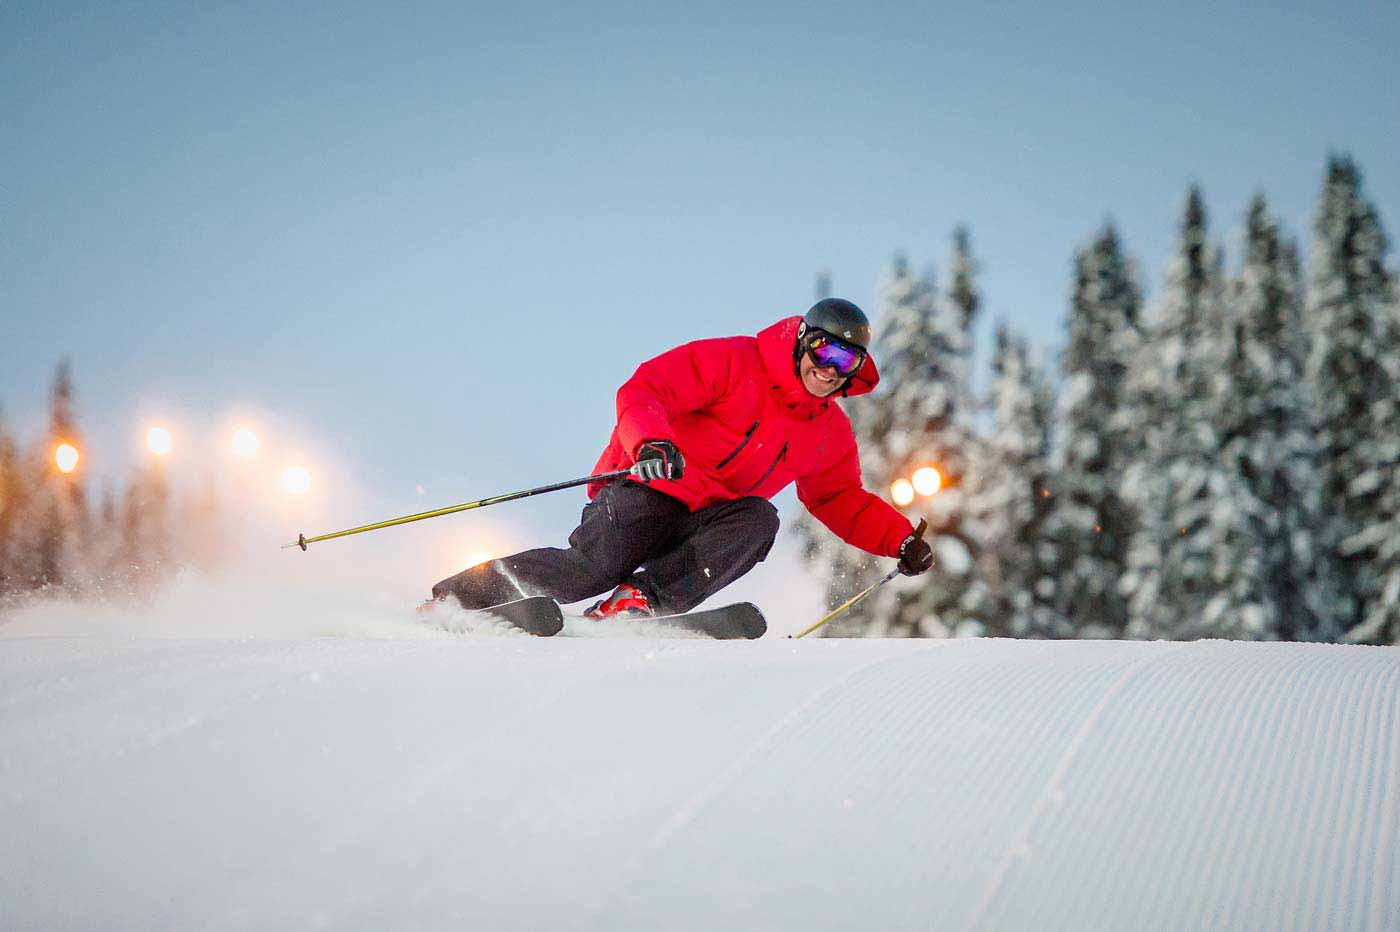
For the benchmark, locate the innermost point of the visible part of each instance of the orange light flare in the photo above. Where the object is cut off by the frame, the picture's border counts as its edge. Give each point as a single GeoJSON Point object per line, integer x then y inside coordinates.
{"type": "Point", "coordinates": [475, 556]}
{"type": "Point", "coordinates": [159, 441]}
{"type": "Point", "coordinates": [902, 491]}
{"type": "Point", "coordinates": [66, 457]}
{"type": "Point", "coordinates": [927, 481]}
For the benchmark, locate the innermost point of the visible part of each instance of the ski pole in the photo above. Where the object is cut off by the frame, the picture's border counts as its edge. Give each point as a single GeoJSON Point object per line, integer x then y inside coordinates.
{"type": "Point", "coordinates": [851, 602]}
{"type": "Point", "coordinates": [302, 540]}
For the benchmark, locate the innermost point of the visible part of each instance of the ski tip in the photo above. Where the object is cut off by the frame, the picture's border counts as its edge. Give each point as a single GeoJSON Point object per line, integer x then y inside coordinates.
{"type": "Point", "coordinates": [752, 622]}
{"type": "Point", "coordinates": [535, 615]}
{"type": "Point", "coordinates": [538, 615]}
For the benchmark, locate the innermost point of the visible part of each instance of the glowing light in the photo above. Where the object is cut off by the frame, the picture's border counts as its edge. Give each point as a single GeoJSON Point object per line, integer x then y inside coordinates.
{"type": "Point", "coordinates": [296, 479]}
{"type": "Point", "coordinates": [473, 557]}
{"type": "Point", "coordinates": [245, 443]}
{"type": "Point", "coordinates": [902, 491]}
{"type": "Point", "coordinates": [66, 456]}
{"type": "Point", "coordinates": [158, 441]}
{"type": "Point", "coordinates": [927, 480]}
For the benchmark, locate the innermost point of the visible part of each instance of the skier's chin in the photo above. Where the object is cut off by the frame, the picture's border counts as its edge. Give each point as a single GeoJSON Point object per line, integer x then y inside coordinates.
{"type": "Point", "coordinates": [817, 385]}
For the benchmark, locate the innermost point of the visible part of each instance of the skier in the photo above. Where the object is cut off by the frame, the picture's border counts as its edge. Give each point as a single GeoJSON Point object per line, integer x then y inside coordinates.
{"type": "Point", "coordinates": [716, 428]}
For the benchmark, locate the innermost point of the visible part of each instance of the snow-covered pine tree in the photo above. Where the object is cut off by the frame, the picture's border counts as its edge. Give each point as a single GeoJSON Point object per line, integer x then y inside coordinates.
{"type": "Point", "coordinates": [845, 569]}
{"type": "Point", "coordinates": [1381, 623]}
{"type": "Point", "coordinates": [1272, 579]}
{"type": "Point", "coordinates": [1090, 525]}
{"type": "Point", "coordinates": [1177, 479]}
{"type": "Point", "coordinates": [912, 420]}
{"type": "Point", "coordinates": [11, 505]}
{"type": "Point", "coordinates": [1016, 573]}
{"type": "Point", "coordinates": [26, 556]}
{"type": "Point", "coordinates": [922, 351]}
{"type": "Point", "coordinates": [966, 304]}
{"type": "Point", "coordinates": [1351, 369]}
{"type": "Point", "coordinates": [56, 526]}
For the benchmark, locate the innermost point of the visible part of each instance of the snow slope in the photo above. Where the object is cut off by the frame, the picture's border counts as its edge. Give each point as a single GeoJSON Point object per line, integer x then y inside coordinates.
{"type": "Point", "coordinates": [510, 783]}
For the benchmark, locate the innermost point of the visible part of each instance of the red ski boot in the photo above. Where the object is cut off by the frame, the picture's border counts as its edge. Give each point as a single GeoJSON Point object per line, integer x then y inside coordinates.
{"type": "Point", "coordinates": [625, 602]}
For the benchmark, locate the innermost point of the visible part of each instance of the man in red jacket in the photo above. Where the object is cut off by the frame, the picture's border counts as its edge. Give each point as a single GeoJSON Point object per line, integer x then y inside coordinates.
{"type": "Point", "coordinates": [715, 429]}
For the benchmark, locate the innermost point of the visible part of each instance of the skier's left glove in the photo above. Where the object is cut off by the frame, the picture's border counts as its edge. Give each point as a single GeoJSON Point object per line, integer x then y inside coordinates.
{"type": "Point", "coordinates": [915, 555]}
{"type": "Point", "coordinates": [658, 459]}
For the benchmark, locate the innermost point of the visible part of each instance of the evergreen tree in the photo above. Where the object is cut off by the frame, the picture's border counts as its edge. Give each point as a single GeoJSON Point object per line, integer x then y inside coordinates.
{"type": "Point", "coordinates": [12, 504]}
{"type": "Point", "coordinates": [1177, 480]}
{"type": "Point", "coordinates": [922, 351]}
{"type": "Point", "coordinates": [1272, 577]}
{"type": "Point", "coordinates": [904, 319]}
{"type": "Point", "coordinates": [1090, 525]}
{"type": "Point", "coordinates": [57, 528]}
{"type": "Point", "coordinates": [1014, 499]}
{"type": "Point", "coordinates": [49, 541]}
{"type": "Point", "coordinates": [1381, 624]}
{"type": "Point", "coordinates": [1351, 370]}
{"type": "Point", "coordinates": [1381, 619]}
{"type": "Point", "coordinates": [966, 304]}
{"type": "Point", "coordinates": [913, 420]}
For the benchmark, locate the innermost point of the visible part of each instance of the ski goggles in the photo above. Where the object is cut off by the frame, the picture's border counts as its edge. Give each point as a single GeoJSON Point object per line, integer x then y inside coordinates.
{"type": "Point", "coordinates": [825, 350]}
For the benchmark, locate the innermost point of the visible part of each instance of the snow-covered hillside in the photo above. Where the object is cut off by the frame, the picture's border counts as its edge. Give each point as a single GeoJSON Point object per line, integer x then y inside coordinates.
{"type": "Point", "coordinates": [511, 783]}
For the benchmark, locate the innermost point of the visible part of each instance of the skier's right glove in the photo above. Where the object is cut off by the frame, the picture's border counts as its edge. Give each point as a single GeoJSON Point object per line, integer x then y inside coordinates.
{"type": "Point", "coordinates": [658, 459]}
{"type": "Point", "coordinates": [915, 555]}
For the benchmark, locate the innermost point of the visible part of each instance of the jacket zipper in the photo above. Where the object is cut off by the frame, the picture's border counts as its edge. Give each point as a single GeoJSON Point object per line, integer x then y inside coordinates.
{"type": "Point", "coordinates": [781, 453]}
{"type": "Point", "coordinates": [742, 443]}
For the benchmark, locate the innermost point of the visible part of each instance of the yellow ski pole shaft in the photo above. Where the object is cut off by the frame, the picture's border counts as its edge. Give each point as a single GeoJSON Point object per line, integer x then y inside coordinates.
{"type": "Point", "coordinates": [846, 606]}
{"type": "Point", "coordinates": [853, 600]}
{"type": "Point", "coordinates": [302, 540]}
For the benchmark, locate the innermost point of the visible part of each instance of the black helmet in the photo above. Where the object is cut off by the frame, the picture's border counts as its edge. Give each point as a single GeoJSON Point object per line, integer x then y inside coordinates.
{"type": "Point", "coordinates": [841, 319]}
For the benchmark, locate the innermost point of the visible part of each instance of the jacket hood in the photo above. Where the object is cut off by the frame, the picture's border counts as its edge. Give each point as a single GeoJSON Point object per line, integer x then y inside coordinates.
{"type": "Point", "coordinates": [778, 343]}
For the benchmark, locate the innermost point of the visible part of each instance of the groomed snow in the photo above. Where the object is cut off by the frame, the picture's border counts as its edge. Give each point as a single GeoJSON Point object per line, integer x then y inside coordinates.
{"type": "Point", "coordinates": [510, 783]}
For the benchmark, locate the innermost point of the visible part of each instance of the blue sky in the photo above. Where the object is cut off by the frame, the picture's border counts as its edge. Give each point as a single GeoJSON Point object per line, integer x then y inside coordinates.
{"type": "Point", "coordinates": [431, 243]}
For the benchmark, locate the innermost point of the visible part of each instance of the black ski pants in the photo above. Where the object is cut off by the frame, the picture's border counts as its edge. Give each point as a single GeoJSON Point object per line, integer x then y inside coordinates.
{"type": "Point", "coordinates": [630, 533]}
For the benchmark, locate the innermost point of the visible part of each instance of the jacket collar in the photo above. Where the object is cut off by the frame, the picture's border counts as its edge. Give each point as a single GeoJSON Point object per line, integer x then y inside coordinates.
{"type": "Point", "coordinates": [777, 345]}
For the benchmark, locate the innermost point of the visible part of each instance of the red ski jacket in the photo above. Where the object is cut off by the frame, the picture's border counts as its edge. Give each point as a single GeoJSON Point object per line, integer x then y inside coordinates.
{"type": "Point", "coordinates": [738, 412]}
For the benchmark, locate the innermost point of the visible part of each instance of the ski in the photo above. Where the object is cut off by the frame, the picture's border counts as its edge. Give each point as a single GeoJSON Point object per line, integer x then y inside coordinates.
{"type": "Point", "coordinates": [740, 621]}
{"type": "Point", "coordinates": [538, 615]}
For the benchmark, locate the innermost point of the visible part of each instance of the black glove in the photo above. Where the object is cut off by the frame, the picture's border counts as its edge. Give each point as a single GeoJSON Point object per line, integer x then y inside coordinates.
{"type": "Point", "coordinates": [915, 556]}
{"type": "Point", "coordinates": [658, 459]}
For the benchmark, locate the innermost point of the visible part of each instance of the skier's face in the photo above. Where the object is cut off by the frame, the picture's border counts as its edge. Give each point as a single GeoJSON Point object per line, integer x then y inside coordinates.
{"type": "Point", "coordinates": [820, 382]}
